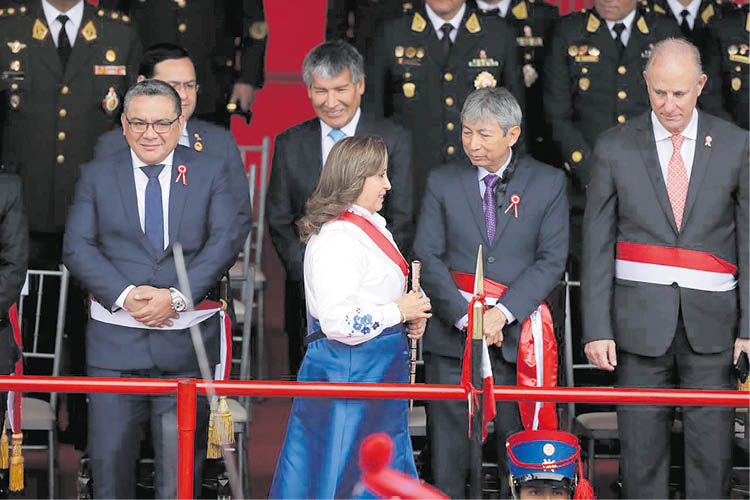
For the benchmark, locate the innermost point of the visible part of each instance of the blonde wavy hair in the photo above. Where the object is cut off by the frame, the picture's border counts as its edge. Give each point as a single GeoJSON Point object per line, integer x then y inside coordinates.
{"type": "Point", "coordinates": [350, 162]}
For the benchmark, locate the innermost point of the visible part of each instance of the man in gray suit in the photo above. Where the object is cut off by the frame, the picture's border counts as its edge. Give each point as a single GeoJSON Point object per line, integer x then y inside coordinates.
{"type": "Point", "coordinates": [665, 274]}
{"type": "Point", "coordinates": [517, 209]}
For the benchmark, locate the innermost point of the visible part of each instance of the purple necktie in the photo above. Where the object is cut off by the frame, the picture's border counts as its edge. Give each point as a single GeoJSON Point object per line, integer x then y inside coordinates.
{"type": "Point", "coordinates": [488, 205]}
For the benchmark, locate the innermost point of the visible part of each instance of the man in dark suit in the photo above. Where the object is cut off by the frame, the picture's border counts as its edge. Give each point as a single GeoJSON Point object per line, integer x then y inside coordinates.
{"type": "Point", "coordinates": [130, 209]}
{"type": "Point", "coordinates": [420, 76]}
{"type": "Point", "coordinates": [172, 64]}
{"type": "Point", "coordinates": [208, 30]}
{"type": "Point", "coordinates": [335, 79]}
{"type": "Point", "coordinates": [531, 22]}
{"type": "Point", "coordinates": [730, 52]}
{"type": "Point", "coordinates": [517, 209]}
{"type": "Point", "coordinates": [665, 276]}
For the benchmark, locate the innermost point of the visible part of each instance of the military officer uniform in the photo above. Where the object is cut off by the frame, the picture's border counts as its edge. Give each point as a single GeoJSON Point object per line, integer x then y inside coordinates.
{"type": "Point", "coordinates": [367, 16]}
{"type": "Point", "coordinates": [531, 22]}
{"type": "Point", "coordinates": [207, 29]}
{"type": "Point", "coordinates": [410, 81]}
{"type": "Point", "coordinates": [731, 53]}
{"type": "Point", "coordinates": [695, 22]}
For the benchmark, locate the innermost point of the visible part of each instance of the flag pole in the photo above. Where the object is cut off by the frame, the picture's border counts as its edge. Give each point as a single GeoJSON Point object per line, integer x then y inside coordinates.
{"type": "Point", "coordinates": [475, 446]}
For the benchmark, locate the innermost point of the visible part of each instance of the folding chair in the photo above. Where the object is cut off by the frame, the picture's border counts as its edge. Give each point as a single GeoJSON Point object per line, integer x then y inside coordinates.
{"type": "Point", "coordinates": [38, 414]}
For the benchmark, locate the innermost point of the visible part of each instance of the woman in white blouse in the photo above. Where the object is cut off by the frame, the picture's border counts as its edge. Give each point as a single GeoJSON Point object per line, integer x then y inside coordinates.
{"type": "Point", "coordinates": [359, 317]}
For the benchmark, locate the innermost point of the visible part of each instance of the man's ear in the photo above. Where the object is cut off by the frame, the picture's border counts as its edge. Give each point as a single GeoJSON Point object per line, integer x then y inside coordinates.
{"type": "Point", "coordinates": [140, 78]}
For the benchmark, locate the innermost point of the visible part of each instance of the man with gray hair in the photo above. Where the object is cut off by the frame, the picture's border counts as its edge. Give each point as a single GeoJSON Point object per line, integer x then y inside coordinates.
{"type": "Point", "coordinates": [665, 272]}
{"type": "Point", "coordinates": [517, 209]}
{"type": "Point", "coordinates": [335, 78]}
{"type": "Point", "coordinates": [129, 209]}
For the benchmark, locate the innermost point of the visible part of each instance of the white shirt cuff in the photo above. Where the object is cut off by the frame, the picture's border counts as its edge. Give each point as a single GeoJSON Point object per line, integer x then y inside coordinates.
{"type": "Point", "coordinates": [508, 315]}
{"type": "Point", "coordinates": [391, 315]}
{"type": "Point", "coordinates": [461, 323]}
{"type": "Point", "coordinates": [120, 302]}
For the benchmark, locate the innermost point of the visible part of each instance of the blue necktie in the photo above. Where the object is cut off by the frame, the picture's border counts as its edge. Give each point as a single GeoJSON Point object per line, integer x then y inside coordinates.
{"type": "Point", "coordinates": [336, 134]}
{"type": "Point", "coordinates": [154, 211]}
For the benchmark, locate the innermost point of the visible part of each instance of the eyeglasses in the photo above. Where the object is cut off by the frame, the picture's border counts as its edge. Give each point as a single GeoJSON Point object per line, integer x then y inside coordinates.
{"type": "Point", "coordinates": [160, 127]}
{"type": "Point", "coordinates": [191, 86]}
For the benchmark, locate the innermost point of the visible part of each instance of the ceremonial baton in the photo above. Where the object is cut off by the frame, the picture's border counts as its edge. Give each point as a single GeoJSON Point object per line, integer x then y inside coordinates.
{"type": "Point", "coordinates": [200, 354]}
{"type": "Point", "coordinates": [416, 269]}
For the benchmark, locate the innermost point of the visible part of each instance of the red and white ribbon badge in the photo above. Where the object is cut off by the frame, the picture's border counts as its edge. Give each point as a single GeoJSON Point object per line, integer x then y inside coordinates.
{"type": "Point", "coordinates": [181, 173]}
{"type": "Point", "coordinates": [514, 201]}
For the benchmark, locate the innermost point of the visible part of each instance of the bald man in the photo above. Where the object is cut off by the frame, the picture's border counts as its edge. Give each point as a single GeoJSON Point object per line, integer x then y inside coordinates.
{"type": "Point", "coordinates": [665, 273]}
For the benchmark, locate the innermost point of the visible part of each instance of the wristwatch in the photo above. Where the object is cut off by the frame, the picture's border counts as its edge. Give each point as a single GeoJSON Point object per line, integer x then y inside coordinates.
{"type": "Point", "coordinates": [178, 303]}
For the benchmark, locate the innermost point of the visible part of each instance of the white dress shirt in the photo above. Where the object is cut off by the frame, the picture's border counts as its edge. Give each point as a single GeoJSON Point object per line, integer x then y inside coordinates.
{"type": "Point", "coordinates": [628, 22]}
{"type": "Point", "coordinates": [351, 286]}
{"type": "Point", "coordinates": [141, 181]}
{"type": "Point", "coordinates": [326, 143]}
{"type": "Point", "coordinates": [481, 174]}
{"type": "Point", "coordinates": [502, 6]}
{"type": "Point", "coordinates": [664, 147]}
{"type": "Point", "coordinates": [438, 22]}
{"type": "Point", "coordinates": [692, 8]}
{"type": "Point", "coordinates": [184, 138]}
{"type": "Point", "coordinates": [75, 15]}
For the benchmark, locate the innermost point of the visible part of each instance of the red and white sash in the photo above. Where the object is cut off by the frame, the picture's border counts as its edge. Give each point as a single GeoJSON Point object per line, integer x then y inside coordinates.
{"type": "Point", "coordinates": [537, 352]}
{"type": "Point", "coordinates": [388, 248]}
{"type": "Point", "coordinates": [666, 265]}
{"type": "Point", "coordinates": [201, 313]}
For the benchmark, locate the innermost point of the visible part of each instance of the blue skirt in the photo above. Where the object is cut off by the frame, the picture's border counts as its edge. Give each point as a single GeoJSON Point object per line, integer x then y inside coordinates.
{"type": "Point", "coordinates": [321, 450]}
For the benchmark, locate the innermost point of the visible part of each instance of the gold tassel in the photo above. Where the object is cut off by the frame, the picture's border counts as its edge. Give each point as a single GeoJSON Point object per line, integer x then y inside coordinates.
{"type": "Point", "coordinates": [220, 428]}
{"type": "Point", "coordinates": [16, 464]}
{"type": "Point", "coordinates": [4, 449]}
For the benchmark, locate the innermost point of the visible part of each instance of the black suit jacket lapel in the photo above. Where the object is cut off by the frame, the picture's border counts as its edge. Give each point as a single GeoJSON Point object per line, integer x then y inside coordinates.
{"type": "Point", "coordinates": [516, 185]}
{"type": "Point", "coordinates": [701, 161]}
{"type": "Point", "coordinates": [126, 182]}
{"type": "Point", "coordinates": [48, 51]}
{"type": "Point", "coordinates": [178, 193]}
{"type": "Point", "coordinates": [470, 183]}
{"type": "Point", "coordinates": [84, 49]}
{"type": "Point", "coordinates": [646, 144]}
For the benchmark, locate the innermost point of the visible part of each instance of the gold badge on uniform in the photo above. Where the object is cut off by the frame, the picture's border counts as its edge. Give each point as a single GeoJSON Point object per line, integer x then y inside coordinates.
{"type": "Point", "coordinates": [593, 51]}
{"type": "Point", "coordinates": [420, 52]}
{"type": "Point", "coordinates": [398, 51]}
{"type": "Point", "coordinates": [592, 24]}
{"type": "Point", "coordinates": [15, 101]}
{"type": "Point", "coordinates": [258, 30]}
{"type": "Point", "coordinates": [89, 32]}
{"type": "Point", "coordinates": [584, 84]}
{"type": "Point", "coordinates": [409, 89]}
{"type": "Point", "coordinates": [16, 46]}
{"type": "Point", "coordinates": [39, 30]}
{"type": "Point", "coordinates": [707, 13]}
{"type": "Point", "coordinates": [472, 24]}
{"type": "Point", "coordinates": [747, 22]}
{"type": "Point", "coordinates": [732, 49]}
{"type": "Point", "coordinates": [410, 52]}
{"type": "Point", "coordinates": [659, 9]}
{"type": "Point", "coordinates": [743, 49]}
{"type": "Point", "coordinates": [576, 156]}
{"type": "Point", "coordinates": [572, 51]}
{"type": "Point", "coordinates": [736, 83]}
{"type": "Point", "coordinates": [520, 11]}
{"type": "Point", "coordinates": [110, 55]}
{"type": "Point", "coordinates": [110, 101]}
{"type": "Point", "coordinates": [642, 26]}
{"type": "Point", "coordinates": [407, 6]}
{"type": "Point", "coordinates": [418, 23]}
{"type": "Point", "coordinates": [485, 80]}
{"type": "Point", "coordinates": [15, 65]}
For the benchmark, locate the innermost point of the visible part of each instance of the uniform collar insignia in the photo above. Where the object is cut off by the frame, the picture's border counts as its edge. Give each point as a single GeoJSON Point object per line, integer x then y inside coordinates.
{"type": "Point", "coordinates": [39, 30]}
{"type": "Point", "coordinates": [659, 9]}
{"type": "Point", "coordinates": [418, 23]}
{"type": "Point", "coordinates": [642, 26]}
{"type": "Point", "coordinates": [520, 11]}
{"type": "Point", "coordinates": [472, 24]}
{"type": "Point", "coordinates": [593, 23]}
{"type": "Point", "coordinates": [89, 31]}
{"type": "Point", "coordinates": [747, 22]}
{"type": "Point", "coordinates": [707, 13]}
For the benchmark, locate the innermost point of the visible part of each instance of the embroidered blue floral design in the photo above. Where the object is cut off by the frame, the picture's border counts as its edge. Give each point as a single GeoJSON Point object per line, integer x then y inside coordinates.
{"type": "Point", "coordinates": [362, 323]}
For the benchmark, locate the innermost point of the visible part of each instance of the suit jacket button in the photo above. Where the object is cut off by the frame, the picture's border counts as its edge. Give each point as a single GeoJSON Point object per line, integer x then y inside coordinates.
{"type": "Point", "coordinates": [490, 259]}
{"type": "Point", "coordinates": [675, 285]}
{"type": "Point", "coordinates": [158, 268]}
